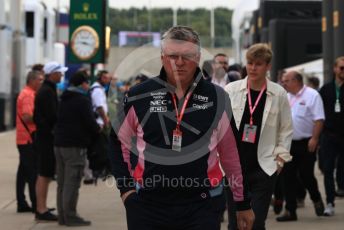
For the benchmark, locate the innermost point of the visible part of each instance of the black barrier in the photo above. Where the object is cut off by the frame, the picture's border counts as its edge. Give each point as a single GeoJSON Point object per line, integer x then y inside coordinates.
{"type": "Point", "coordinates": [294, 42]}
{"type": "Point", "coordinates": [293, 10]}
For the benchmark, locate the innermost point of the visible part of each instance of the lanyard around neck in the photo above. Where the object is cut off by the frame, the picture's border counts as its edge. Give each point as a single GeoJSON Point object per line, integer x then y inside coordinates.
{"type": "Point", "coordinates": [179, 115]}
{"type": "Point", "coordinates": [297, 96]}
{"type": "Point", "coordinates": [337, 90]}
{"type": "Point", "coordinates": [252, 109]}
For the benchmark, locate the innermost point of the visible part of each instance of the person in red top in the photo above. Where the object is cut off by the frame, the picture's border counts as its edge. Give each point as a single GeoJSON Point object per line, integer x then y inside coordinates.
{"type": "Point", "coordinates": [25, 127]}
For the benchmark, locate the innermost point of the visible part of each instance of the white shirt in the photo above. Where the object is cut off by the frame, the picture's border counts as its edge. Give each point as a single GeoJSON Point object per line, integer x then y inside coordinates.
{"type": "Point", "coordinates": [222, 82]}
{"type": "Point", "coordinates": [306, 108]}
{"type": "Point", "coordinates": [98, 97]}
{"type": "Point", "coordinates": [276, 131]}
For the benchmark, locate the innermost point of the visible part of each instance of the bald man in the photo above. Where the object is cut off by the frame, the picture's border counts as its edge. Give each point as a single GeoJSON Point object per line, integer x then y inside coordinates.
{"type": "Point", "coordinates": [308, 118]}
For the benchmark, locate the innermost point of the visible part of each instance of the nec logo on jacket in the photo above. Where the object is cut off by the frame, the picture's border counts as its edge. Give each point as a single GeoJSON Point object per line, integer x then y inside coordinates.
{"type": "Point", "coordinates": [158, 106]}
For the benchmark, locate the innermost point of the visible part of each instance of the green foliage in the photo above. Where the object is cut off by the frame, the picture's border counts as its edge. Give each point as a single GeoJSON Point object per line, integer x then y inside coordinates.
{"type": "Point", "coordinates": [159, 20]}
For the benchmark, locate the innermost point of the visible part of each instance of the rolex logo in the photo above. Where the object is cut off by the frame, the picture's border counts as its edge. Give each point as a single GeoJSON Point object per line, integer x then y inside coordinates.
{"type": "Point", "coordinates": [86, 7]}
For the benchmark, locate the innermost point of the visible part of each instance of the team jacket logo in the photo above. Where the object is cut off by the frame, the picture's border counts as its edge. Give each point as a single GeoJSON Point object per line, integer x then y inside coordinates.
{"type": "Point", "coordinates": [201, 98]}
{"type": "Point", "coordinates": [200, 107]}
{"type": "Point", "coordinates": [158, 106]}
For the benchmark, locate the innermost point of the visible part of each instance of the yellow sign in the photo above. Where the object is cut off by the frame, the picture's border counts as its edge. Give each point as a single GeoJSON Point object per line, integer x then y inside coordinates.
{"type": "Point", "coordinates": [323, 24]}
{"type": "Point", "coordinates": [335, 18]}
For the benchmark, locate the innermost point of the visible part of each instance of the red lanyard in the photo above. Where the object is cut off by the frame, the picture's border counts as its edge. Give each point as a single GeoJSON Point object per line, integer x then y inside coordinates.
{"type": "Point", "coordinates": [296, 97]}
{"type": "Point", "coordinates": [188, 95]}
{"type": "Point", "coordinates": [257, 101]}
{"type": "Point", "coordinates": [181, 114]}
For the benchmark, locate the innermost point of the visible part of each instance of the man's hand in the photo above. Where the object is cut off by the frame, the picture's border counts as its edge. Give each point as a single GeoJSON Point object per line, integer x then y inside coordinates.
{"type": "Point", "coordinates": [245, 219]}
{"type": "Point", "coordinates": [279, 169]}
{"type": "Point", "coordinates": [312, 144]}
{"type": "Point", "coordinates": [280, 163]}
{"type": "Point", "coordinates": [126, 194]}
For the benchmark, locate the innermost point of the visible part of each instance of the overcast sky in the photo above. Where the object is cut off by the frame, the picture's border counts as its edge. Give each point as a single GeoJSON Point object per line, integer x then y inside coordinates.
{"type": "Point", "coordinates": [191, 4]}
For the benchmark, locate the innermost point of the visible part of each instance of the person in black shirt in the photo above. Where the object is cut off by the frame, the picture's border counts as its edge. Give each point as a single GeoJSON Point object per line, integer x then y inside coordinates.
{"type": "Point", "coordinates": [45, 111]}
{"type": "Point", "coordinates": [75, 127]}
{"type": "Point", "coordinates": [332, 146]}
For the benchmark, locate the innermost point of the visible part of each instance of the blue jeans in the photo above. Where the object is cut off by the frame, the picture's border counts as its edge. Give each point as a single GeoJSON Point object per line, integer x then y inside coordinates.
{"type": "Point", "coordinates": [332, 151]}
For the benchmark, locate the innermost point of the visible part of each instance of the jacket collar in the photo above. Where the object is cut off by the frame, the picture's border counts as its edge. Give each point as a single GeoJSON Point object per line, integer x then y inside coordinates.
{"type": "Point", "coordinates": [270, 90]}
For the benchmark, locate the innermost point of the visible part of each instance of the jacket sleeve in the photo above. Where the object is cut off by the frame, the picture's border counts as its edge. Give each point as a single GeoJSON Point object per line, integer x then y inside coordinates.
{"type": "Point", "coordinates": [285, 132]}
{"type": "Point", "coordinates": [230, 160]}
{"type": "Point", "coordinates": [120, 145]}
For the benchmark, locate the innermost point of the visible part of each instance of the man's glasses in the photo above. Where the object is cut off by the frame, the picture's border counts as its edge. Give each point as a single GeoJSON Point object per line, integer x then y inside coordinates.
{"type": "Point", "coordinates": [184, 57]}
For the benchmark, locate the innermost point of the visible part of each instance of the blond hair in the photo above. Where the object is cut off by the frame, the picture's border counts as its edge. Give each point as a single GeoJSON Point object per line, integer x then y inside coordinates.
{"type": "Point", "coordinates": [338, 59]}
{"type": "Point", "coordinates": [259, 51]}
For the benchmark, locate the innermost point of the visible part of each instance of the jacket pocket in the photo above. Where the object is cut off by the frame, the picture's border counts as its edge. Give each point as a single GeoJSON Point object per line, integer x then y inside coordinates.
{"type": "Point", "coordinates": [272, 117]}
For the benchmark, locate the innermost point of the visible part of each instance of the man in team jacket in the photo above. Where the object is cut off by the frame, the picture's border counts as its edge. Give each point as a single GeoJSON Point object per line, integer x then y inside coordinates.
{"type": "Point", "coordinates": [174, 131]}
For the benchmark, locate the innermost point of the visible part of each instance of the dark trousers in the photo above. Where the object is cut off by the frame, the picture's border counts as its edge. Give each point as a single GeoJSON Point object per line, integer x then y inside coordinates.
{"type": "Point", "coordinates": [143, 214]}
{"type": "Point", "coordinates": [261, 187]}
{"type": "Point", "coordinates": [303, 165]}
{"type": "Point", "coordinates": [340, 172]}
{"type": "Point", "coordinates": [332, 151]}
{"type": "Point", "coordinates": [27, 173]}
{"type": "Point", "coordinates": [279, 187]}
{"type": "Point", "coordinates": [70, 164]}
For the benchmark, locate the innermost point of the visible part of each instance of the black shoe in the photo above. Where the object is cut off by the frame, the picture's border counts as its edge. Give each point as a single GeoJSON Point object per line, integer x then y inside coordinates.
{"type": "Point", "coordinates": [287, 216]}
{"type": "Point", "coordinates": [89, 181]}
{"type": "Point", "coordinates": [278, 206]}
{"type": "Point", "coordinates": [21, 209]}
{"type": "Point", "coordinates": [340, 193]}
{"type": "Point", "coordinates": [77, 221]}
{"type": "Point", "coordinates": [46, 216]}
{"type": "Point", "coordinates": [319, 208]}
{"type": "Point", "coordinates": [51, 209]}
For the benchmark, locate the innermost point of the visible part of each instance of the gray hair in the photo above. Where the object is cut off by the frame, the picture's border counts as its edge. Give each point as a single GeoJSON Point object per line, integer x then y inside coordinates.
{"type": "Point", "coordinates": [33, 75]}
{"type": "Point", "coordinates": [181, 33]}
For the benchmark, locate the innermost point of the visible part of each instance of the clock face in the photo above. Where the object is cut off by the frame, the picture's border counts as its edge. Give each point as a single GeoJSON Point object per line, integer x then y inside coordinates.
{"type": "Point", "coordinates": [85, 42]}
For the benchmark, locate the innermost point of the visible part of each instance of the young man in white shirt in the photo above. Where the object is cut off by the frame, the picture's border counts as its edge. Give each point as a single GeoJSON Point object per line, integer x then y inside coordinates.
{"type": "Point", "coordinates": [262, 116]}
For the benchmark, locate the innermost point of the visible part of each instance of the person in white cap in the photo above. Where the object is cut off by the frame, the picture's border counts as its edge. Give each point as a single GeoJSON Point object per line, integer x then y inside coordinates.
{"type": "Point", "coordinates": [45, 111]}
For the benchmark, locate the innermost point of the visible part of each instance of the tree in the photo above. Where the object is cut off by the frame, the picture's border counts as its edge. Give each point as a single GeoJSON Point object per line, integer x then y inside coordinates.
{"type": "Point", "coordinates": [135, 19]}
